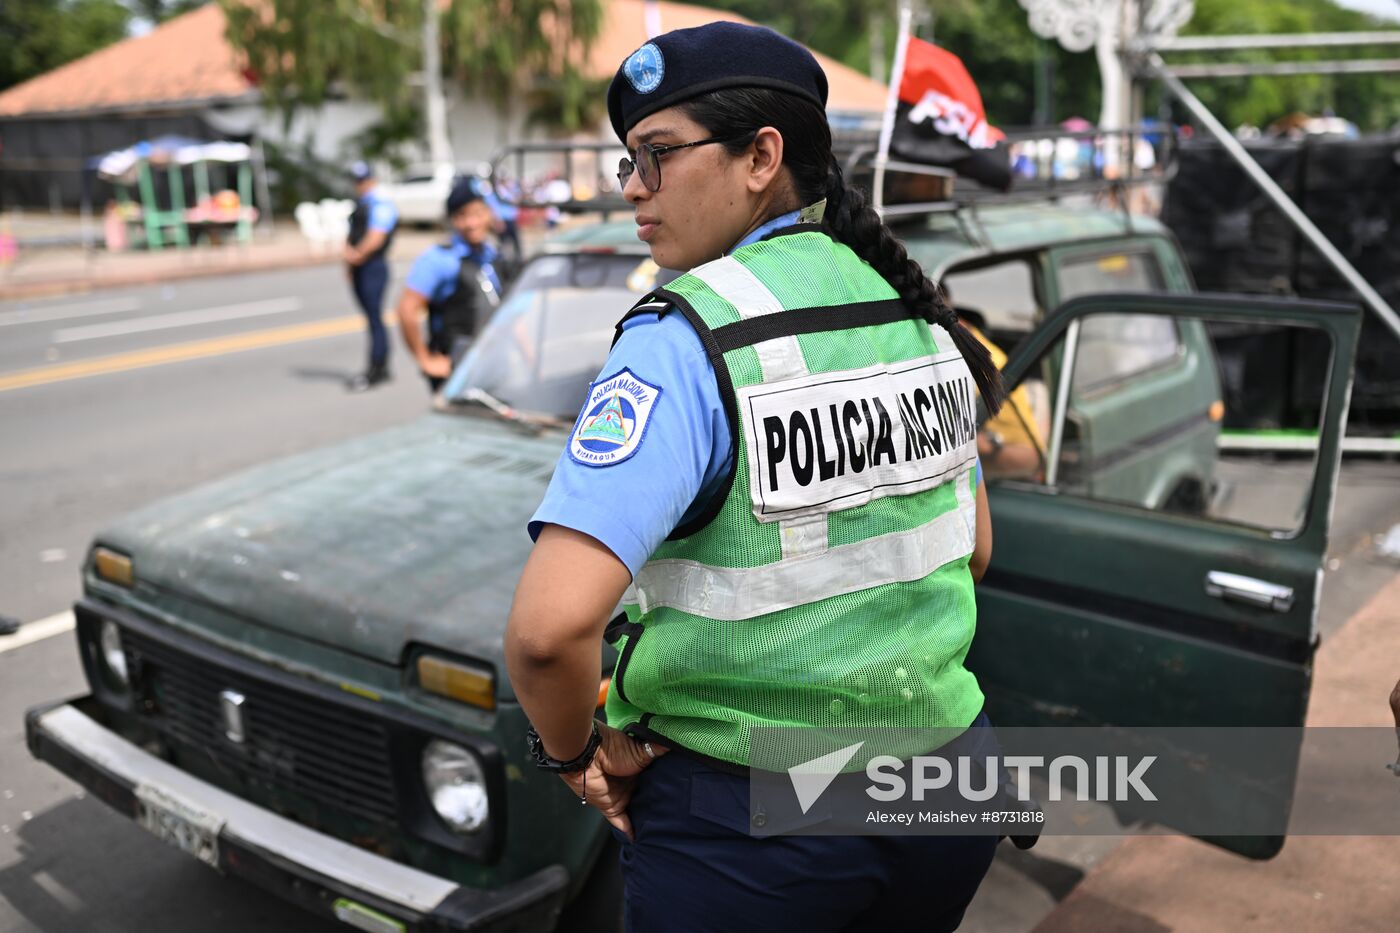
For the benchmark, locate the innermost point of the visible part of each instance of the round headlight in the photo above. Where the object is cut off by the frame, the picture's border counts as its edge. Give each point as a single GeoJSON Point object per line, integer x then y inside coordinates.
{"type": "Point", "coordinates": [456, 785]}
{"type": "Point", "coordinates": [113, 656]}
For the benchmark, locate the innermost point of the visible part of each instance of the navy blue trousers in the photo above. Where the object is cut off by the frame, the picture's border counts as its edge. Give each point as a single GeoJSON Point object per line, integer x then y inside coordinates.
{"type": "Point", "coordinates": [694, 867]}
{"type": "Point", "coordinates": [370, 281]}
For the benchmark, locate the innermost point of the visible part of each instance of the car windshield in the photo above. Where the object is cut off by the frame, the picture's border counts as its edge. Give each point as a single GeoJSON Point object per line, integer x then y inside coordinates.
{"type": "Point", "coordinates": [550, 338]}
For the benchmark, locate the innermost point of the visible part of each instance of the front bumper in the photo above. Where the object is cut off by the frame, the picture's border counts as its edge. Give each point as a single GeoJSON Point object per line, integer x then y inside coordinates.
{"type": "Point", "coordinates": [314, 870]}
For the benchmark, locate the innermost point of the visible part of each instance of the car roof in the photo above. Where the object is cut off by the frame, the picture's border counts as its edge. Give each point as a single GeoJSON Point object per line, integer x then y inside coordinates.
{"type": "Point", "coordinates": [939, 240]}
{"type": "Point", "coordinates": [943, 239]}
{"type": "Point", "coordinates": [618, 236]}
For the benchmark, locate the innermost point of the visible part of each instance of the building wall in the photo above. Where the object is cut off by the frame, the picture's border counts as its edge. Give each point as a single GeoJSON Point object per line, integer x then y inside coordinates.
{"type": "Point", "coordinates": [43, 162]}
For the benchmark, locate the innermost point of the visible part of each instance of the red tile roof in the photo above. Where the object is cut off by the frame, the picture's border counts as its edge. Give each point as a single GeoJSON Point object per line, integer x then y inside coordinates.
{"type": "Point", "coordinates": [189, 59]}
{"type": "Point", "coordinates": [183, 59]}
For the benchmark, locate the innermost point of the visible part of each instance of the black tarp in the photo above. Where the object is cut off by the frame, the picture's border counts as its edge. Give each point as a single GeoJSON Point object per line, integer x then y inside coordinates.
{"type": "Point", "coordinates": [1236, 240]}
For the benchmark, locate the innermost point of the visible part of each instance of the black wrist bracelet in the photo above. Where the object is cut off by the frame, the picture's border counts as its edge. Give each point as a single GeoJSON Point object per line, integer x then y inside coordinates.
{"type": "Point", "coordinates": [542, 759]}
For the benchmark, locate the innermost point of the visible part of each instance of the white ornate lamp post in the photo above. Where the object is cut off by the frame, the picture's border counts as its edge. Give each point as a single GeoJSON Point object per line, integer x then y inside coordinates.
{"type": "Point", "coordinates": [1114, 28]}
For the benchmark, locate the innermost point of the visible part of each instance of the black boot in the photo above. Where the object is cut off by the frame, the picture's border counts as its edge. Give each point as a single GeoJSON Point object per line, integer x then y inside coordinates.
{"type": "Point", "coordinates": [371, 377]}
{"type": "Point", "coordinates": [8, 626]}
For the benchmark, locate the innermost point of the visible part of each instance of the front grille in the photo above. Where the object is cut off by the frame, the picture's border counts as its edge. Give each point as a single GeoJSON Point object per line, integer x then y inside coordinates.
{"type": "Point", "coordinates": [293, 741]}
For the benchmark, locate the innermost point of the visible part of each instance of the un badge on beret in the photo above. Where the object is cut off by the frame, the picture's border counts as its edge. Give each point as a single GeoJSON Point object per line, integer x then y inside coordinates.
{"type": "Point", "coordinates": [614, 419]}
{"type": "Point", "coordinates": [645, 69]}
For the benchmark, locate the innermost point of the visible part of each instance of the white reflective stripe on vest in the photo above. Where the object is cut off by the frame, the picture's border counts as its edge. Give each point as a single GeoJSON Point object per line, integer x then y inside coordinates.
{"type": "Point", "coordinates": [803, 536]}
{"type": "Point", "coordinates": [779, 358]}
{"type": "Point", "coordinates": [727, 277]}
{"type": "Point", "coordinates": [731, 594]}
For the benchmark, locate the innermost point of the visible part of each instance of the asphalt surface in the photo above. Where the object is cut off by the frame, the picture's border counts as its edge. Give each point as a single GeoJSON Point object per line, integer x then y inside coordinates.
{"type": "Point", "coordinates": [75, 454]}
{"type": "Point", "coordinates": [124, 396]}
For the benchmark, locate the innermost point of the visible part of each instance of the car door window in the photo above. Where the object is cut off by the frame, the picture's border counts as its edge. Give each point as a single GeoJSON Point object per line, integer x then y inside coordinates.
{"type": "Point", "coordinates": [1118, 271]}
{"type": "Point", "coordinates": [1184, 415]}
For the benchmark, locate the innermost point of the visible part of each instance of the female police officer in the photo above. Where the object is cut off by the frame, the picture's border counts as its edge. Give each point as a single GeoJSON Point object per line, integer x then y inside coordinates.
{"type": "Point", "coordinates": [780, 458]}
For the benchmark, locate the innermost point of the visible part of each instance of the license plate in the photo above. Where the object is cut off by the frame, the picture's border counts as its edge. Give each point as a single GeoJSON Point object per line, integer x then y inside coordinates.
{"type": "Point", "coordinates": [180, 823]}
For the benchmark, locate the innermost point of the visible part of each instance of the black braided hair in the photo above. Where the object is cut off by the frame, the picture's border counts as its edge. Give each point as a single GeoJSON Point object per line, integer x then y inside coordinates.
{"type": "Point", "coordinates": [816, 174]}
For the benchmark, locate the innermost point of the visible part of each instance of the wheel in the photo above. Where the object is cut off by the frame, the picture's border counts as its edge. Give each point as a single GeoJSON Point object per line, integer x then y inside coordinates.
{"type": "Point", "coordinates": [1188, 498]}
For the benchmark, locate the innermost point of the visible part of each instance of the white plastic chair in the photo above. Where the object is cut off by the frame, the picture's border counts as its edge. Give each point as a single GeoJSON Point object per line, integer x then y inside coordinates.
{"type": "Point", "coordinates": [308, 217]}
{"type": "Point", "coordinates": [335, 218]}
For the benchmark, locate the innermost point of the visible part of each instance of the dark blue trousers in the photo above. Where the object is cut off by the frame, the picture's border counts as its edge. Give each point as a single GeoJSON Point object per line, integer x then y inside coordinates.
{"type": "Point", "coordinates": [695, 868]}
{"type": "Point", "coordinates": [370, 281]}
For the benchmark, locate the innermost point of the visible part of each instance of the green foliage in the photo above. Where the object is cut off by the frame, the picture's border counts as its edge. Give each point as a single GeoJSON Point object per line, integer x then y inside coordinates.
{"type": "Point", "coordinates": [1009, 63]}
{"type": "Point", "coordinates": [535, 60]}
{"type": "Point", "coordinates": [991, 36]}
{"type": "Point", "coordinates": [1371, 101]}
{"type": "Point", "coordinates": [39, 35]}
{"type": "Point", "coordinates": [303, 52]}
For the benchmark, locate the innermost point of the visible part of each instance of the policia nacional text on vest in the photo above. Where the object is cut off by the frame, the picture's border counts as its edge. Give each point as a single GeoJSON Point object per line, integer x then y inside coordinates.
{"type": "Point", "coordinates": [828, 584]}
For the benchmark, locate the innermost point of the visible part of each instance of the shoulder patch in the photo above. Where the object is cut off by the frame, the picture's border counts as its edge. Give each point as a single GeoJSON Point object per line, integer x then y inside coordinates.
{"type": "Point", "coordinates": [614, 419]}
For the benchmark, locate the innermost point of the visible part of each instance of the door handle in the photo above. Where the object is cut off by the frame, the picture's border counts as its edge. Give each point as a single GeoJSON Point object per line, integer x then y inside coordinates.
{"type": "Point", "coordinates": [1234, 588]}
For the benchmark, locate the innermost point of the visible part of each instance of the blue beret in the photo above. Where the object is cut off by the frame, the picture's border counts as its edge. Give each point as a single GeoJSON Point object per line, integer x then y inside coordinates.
{"type": "Point", "coordinates": [686, 63]}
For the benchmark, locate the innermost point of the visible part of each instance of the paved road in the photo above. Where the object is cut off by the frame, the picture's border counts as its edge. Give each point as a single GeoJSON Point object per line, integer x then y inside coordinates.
{"type": "Point", "coordinates": [125, 396]}
{"type": "Point", "coordinates": [81, 445]}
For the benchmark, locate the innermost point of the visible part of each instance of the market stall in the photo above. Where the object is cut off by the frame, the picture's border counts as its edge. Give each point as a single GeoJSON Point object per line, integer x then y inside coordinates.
{"type": "Point", "coordinates": [151, 208]}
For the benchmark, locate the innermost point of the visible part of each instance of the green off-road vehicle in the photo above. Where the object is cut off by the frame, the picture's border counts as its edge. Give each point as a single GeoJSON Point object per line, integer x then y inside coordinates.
{"type": "Point", "coordinates": [296, 672]}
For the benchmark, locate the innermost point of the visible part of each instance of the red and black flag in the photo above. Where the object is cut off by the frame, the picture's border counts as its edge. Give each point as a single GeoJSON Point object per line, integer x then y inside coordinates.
{"type": "Point", "coordinates": [939, 118]}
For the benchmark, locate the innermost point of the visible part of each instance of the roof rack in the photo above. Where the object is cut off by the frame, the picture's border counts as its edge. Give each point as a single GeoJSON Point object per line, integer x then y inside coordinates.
{"type": "Point", "coordinates": [581, 177]}
{"type": "Point", "coordinates": [1047, 164]}
{"type": "Point", "coordinates": [574, 177]}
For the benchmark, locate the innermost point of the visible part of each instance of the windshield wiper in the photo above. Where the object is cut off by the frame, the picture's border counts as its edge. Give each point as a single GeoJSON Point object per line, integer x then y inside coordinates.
{"type": "Point", "coordinates": [506, 412]}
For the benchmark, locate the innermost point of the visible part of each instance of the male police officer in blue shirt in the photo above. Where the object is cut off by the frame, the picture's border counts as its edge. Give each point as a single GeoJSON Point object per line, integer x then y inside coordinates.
{"type": "Point", "coordinates": [456, 284]}
{"type": "Point", "coordinates": [366, 247]}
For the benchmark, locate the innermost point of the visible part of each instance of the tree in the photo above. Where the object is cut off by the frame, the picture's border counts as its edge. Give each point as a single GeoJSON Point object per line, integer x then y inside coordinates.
{"type": "Point", "coordinates": [1006, 59]}
{"type": "Point", "coordinates": [1371, 101]}
{"type": "Point", "coordinates": [303, 51]}
{"type": "Point", "coordinates": [991, 36]}
{"type": "Point", "coordinates": [39, 35]}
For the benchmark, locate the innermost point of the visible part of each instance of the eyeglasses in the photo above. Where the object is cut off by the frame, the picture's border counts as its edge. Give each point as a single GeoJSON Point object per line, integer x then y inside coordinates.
{"type": "Point", "coordinates": [648, 165]}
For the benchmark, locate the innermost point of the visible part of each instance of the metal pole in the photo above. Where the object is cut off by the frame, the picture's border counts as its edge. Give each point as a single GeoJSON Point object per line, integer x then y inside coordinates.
{"type": "Point", "coordinates": [260, 180]}
{"type": "Point", "coordinates": [891, 105]}
{"type": "Point", "coordinates": [1301, 40]}
{"type": "Point", "coordinates": [1276, 194]}
{"type": "Point", "coordinates": [439, 149]}
{"type": "Point", "coordinates": [1281, 69]}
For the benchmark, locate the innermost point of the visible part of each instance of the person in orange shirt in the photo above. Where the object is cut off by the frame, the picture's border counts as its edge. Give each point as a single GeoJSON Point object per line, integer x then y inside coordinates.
{"type": "Point", "coordinates": [1009, 443]}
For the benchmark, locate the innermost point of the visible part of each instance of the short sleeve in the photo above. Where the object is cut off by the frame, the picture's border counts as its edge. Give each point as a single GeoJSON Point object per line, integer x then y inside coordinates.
{"type": "Point", "coordinates": [632, 505]}
{"type": "Point", "coordinates": [429, 271]}
{"type": "Point", "coordinates": [383, 215]}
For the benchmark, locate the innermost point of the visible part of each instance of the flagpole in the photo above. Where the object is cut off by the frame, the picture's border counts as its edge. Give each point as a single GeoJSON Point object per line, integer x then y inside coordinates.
{"type": "Point", "coordinates": [891, 104]}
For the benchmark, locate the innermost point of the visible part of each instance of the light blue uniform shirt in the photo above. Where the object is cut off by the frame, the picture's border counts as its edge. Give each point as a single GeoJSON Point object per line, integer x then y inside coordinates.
{"type": "Point", "coordinates": [383, 215]}
{"type": "Point", "coordinates": [631, 506]}
{"type": "Point", "coordinates": [434, 273]}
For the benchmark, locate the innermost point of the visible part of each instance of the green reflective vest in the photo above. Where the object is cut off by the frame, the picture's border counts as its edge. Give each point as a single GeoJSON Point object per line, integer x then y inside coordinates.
{"type": "Point", "coordinates": [829, 587]}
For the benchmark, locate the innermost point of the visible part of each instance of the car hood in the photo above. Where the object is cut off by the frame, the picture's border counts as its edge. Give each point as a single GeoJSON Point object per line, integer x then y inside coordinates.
{"type": "Point", "coordinates": [413, 535]}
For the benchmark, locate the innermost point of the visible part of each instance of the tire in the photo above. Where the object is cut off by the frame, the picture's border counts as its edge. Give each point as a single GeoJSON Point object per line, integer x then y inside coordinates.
{"type": "Point", "coordinates": [1187, 498]}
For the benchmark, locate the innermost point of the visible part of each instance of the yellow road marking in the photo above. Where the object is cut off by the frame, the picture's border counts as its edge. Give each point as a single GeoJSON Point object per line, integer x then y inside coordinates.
{"type": "Point", "coordinates": [180, 352]}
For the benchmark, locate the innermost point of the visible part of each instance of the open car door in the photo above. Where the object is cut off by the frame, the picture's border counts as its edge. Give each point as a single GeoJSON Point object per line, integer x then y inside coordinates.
{"type": "Point", "coordinates": [1146, 571]}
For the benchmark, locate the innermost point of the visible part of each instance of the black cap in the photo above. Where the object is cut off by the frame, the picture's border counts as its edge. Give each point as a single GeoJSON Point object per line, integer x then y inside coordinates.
{"type": "Point", "coordinates": [360, 171]}
{"type": "Point", "coordinates": [464, 192]}
{"type": "Point", "coordinates": [686, 63]}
